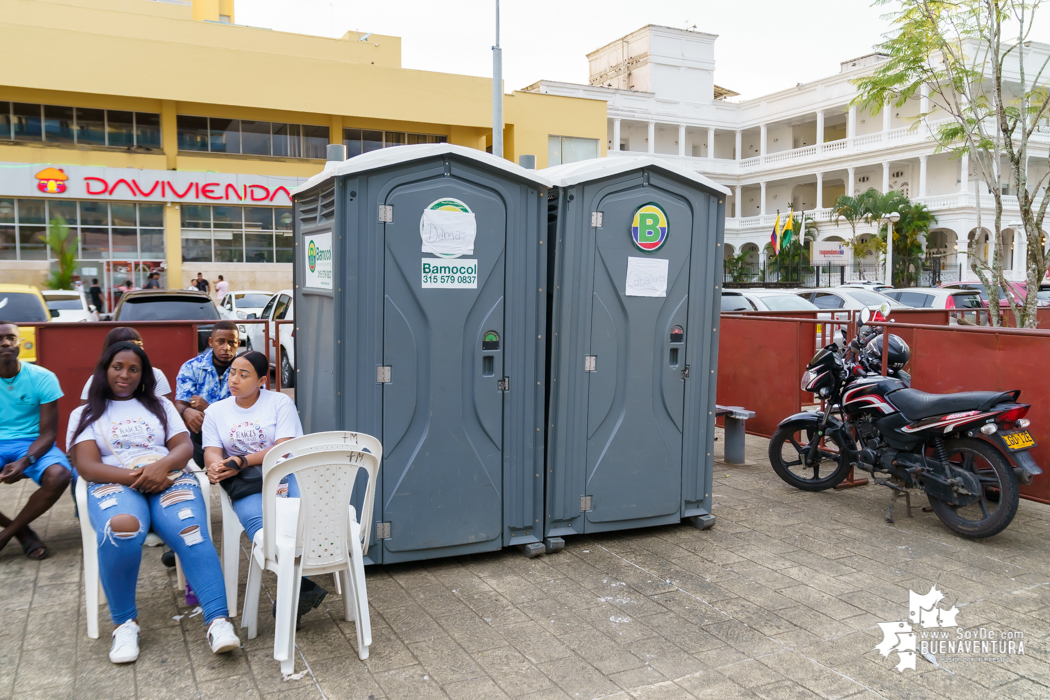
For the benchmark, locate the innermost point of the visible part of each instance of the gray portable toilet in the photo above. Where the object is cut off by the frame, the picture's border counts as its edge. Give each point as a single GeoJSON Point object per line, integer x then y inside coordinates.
{"type": "Point", "coordinates": [420, 290]}
{"type": "Point", "coordinates": [635, 266]}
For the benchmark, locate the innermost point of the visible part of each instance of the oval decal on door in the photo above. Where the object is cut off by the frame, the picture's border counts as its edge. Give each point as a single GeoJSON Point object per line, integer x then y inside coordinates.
{"type": "Point", "coordinates": [649, 228]}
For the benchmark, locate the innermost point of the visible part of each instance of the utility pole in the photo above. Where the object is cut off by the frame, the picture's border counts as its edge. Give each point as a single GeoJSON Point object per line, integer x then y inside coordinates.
{"type": "Point", "coordinates": [497, 93]}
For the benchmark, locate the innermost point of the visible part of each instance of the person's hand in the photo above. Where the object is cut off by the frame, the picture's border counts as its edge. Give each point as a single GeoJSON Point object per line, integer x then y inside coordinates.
{"type": "Point", "coordinates": [152, 478]}
{"type": "Point", "coordinates": [217, 471]}
{"type": "Point", "coordinates": [198, 404]}
{"type": "Point", "coordinates": [194, 419]}
{"type": "Point", "coordinates": [13, 471]}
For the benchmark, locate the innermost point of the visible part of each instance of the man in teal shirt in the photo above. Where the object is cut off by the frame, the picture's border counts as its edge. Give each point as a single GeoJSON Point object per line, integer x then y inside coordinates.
{"type": "Point", "coordinates": [29, 406]}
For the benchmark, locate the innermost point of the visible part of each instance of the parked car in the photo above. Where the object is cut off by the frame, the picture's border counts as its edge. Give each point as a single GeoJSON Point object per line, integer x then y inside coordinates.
{"type": "Point", "coordinates": [69, 306]}
{"type": "Point", "coordinates": [1016, 289]}
{"type": "Point", "coordinates": [169, 305]}
{"type": "Point", "coordinates": [777, 300]}
{"type": "Point", "coordinates": [21, 303]}
{"type": "Point", "coordinates": [237, 306]}
{"type": "Point", "coordinates": [937, 298]}
{"type": "Point", "coordinates": [733, 300]}
{"type": "Point", "coordinates": [865, 284]}
{"type": "Point", "coordinates": [280, 307]}
{"type": "Point", "coordinates": [847, 298]}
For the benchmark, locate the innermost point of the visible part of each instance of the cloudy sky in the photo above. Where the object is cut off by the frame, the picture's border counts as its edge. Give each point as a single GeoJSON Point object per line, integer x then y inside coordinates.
{"type": "Point", "coordinates": [763, 45]}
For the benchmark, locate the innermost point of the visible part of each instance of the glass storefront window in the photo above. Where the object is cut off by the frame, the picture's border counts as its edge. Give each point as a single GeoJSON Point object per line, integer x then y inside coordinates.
{"type": "Point", "coordinates": [27, 122]}
{"type": "Point", "coordinates": [283, 219]}
{"type": "Point", "coordinates": [286, 141]}
{"type": "Point", "coordinates": [371, 141]}
{"type": "Point", "coordinates": [64, 209]}
{"type": "Point", "coordinates": [360, 141]}
{"type": "Point", "coordinates": [8, 247]}
{"type": "Point", "coordinates": [255, 138]}
{"type": "Point", "coordinates": [226, 217]}
{"type": "Point", "coordinates": [196, 245]}
{"type": "Point", "coordinates": [91, 126]}
{"type": "Point", "coordinates": [224, 135]}
{"type": "Point", "coordinates": [236, 234]}
{"type": "Point", "coordinates": [122, 214]}
{"type": "Point", "coordinates": [7, 211]}
{"type": "Point", "coordinates": [285, 251]}
{"type": "Point", "coordinates": [32, 243]}
{"type": "Point", "coordinates": [196, 216]}
{"type": "Point", "coordinates": [120, 128]}
{"type": "Point", "coordinates": [315, 141]}
{"type": "Point", "coordinates": [394, 138]}
{"type": "Point", "coordinates": [124, 243]}
{"type": "Point", "coordinates": [229, 246]}
{"type": "Point", "coordinates": [258, 247]}
{"type": "Point", "coordinates": [94, 214]}
{"type": "Point", "coordinates": [151, 215]}
{"type": "Point", "coordinates": [566, 149]}
{"type": "Point", "coordinates": [151, 243]}
{"type": "Point", "coordinates": [192, 133]}
{"type": "Point", "coordinates": [94, 243]}
{"type": "Point", "coordinates": [258, 219]}
{"type": "Point", "coordinates": [58, 124]}
{"type": "Point", "coordinates": [5, 120]}
{"type": "Point", "coordinates": [30, 211]}
{"type": "Point", "coordinates": [147, 129]}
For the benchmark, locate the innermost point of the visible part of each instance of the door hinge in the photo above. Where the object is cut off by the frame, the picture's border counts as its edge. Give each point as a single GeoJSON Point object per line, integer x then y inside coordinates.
{"type": "Point", "coordinates": [596, 219]}
{"type": "Point", "coordinates": [503, 384]}
{"type": "Point", "coordinates": [382, 531]}
{"type": "Point", "coordinates": [383, 375]}
{"type": "Point", "coordinates": [590, 362]}
{"type": "Point", "coordinates": [585, 503]}
{"type": "Point", "coordinates": [685, 372]}
{"type": "Point", "coordinates": [386, 214]}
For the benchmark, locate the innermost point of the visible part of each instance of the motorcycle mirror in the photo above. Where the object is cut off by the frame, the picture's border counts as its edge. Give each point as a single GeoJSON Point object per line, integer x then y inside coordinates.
{"type": "Point", "coordinates": [884, 309]}
{"type": "Point", "coordinates": [865, 316]}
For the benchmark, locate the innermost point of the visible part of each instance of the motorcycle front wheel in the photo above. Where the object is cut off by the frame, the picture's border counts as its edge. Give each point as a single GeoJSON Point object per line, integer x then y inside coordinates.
{"type": "Point", "coordinates": [1000, 492]}
{"type": "Point", "coordinates": [788, 449]}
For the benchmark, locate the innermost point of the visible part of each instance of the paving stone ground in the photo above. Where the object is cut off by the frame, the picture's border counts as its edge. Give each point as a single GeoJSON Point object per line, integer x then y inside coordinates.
{"type": "Point", "coordinates": [781, 599]}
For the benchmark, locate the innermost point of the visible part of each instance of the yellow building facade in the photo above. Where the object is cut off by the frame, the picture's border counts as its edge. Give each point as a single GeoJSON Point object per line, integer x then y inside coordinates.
{"type": "Point", "coordinates": [167, 137]}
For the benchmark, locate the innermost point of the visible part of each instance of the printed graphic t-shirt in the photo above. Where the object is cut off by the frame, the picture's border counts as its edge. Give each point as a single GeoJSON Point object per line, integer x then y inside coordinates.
{"type": "Point", "coordinates": [243, 431]}
{"type": "Point", "coordinates": [163, 388]}
{"type": "Point", "coordinates": [21, 398]}
{"type": "Point", "coordinates": [131, 430]}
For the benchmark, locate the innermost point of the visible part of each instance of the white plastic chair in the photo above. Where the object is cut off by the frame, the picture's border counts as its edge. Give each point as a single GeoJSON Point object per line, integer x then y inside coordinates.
{"type": "Point", "coordinates": [95, 596]}
{"type": "Point", "coordinates": [317, 533]}
{"type": "Point", "coordinates": [231, 525]}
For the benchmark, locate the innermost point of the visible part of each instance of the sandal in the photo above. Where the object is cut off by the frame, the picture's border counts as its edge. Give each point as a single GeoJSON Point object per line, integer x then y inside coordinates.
{"type": "Point", "coordinates": [33, 545]}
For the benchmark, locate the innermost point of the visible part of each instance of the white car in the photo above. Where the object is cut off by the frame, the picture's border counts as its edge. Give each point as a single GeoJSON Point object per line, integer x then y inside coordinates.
{"type": "Point", "coordinates": [280, 307]}
{"type": "Point", "coordinates": [776, 300]}
{"type": "Point", "coordinates": [236, 306]}
{"type": "Point", "coordinates": [846, 298]}
{"type": "Point", "coordinates": [870, 286]}
{"type": "Point", "coordinates": [68, 306]}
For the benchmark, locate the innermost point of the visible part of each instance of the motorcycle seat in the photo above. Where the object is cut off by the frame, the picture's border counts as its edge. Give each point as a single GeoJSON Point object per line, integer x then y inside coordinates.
{"type": "Point", "coordinates": [916, 405]}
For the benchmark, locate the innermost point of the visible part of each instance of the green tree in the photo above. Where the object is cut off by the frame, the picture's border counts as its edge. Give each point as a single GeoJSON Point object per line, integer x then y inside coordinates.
{"type": "Point", "coordinates": [64, 248]}
{"type": "Point", "coordinates": [909, 241]}
{"type": "Point", "coordinates": [737, 268]}
{"type": "Point", "coordinates": [852, 210]}
{"type": "Point", "coordinates": [973, 59]}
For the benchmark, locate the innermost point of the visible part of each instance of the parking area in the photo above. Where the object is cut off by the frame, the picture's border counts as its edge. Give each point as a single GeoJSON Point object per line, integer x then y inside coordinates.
{"type": "Point", "coordinates": [781, 599]}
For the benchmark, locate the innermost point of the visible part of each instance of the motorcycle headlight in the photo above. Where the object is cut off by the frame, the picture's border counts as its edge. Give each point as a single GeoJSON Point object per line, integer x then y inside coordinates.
{"type": "Point", "coordinates": [807, 378]}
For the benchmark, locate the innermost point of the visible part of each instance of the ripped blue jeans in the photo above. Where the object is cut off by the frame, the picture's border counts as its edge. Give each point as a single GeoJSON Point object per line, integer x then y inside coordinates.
{"type": "Point", "coordinates": [179, 517]}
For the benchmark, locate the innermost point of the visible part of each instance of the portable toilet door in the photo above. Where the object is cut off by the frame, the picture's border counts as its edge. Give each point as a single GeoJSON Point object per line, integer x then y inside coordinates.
{"type": "Point", "coordinates": [447, 316]}
{"type": "Point", "coordinates": [635, 317]}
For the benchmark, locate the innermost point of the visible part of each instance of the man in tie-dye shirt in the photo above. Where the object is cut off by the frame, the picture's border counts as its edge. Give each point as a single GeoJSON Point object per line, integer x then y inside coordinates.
{"type": "Point", "coordinates": [202, 381]}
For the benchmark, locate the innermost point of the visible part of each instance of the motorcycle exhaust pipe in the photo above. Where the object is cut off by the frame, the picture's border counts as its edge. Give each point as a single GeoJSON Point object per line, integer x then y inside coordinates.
{"type": "Point", "coordinates": [1023, 475]}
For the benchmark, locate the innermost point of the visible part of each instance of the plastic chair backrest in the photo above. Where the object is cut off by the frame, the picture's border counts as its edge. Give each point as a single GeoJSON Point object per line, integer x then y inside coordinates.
{"type": "Point", "coordinates": [337, 439]}
{"type": "Point", "coordinates": [325, 478]}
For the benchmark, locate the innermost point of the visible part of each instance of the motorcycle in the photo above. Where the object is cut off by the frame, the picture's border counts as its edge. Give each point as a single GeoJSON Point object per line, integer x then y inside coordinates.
{"type": "Point", "coordinates": [967, 451]}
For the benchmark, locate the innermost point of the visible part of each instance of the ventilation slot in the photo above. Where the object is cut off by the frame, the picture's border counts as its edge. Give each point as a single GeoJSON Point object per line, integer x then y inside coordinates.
{"type": "Point", "coordinates": [308, 210]}
{"type": "Point", "coordinates": [326, 207]}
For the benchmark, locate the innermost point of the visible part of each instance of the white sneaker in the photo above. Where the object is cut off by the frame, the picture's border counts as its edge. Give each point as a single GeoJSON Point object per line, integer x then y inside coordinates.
{"type": "Point", "coordinates": [125, 648]}
{"type": "Point", "coordinates": [221, 637]}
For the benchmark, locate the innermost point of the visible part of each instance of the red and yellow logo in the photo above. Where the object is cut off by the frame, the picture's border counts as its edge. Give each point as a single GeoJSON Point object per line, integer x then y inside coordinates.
{"type": "Point", "coordinates": [52, 181]}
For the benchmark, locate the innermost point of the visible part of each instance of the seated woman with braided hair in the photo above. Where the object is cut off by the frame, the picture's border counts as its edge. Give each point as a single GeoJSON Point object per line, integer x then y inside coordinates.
{"type": "Point", "coordinates": [132, 448]}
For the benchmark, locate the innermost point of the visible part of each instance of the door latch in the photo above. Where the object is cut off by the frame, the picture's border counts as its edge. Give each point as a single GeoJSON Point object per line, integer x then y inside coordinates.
{"type": "Point", "coordinates": [585, 503]}
{"type": "Point", "coordinates": [685, 372]}
{"type": "Point", "coordinates": [386, 214]}
{"type": "Point", "coordinates": [503, 384]}
{"type": "Point", "coordinates": [383, 375]}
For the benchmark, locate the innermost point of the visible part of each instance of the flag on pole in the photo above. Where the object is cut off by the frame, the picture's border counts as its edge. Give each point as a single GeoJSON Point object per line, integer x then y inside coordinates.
{"type": "Point", "coordinates": [789, 226]}
{"type": "Point", "coordinates": [802, 231]}
{"type": "Point", "coordinates": [774, 238]}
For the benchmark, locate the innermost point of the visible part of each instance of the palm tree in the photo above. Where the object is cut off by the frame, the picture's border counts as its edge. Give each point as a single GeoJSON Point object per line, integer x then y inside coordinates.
{"type": "Point", "coordinates": [851, 209]}
{"type": "Point", "coordinates": [909, 241]}
{"type": "Point", "coordinates": [737, 268]}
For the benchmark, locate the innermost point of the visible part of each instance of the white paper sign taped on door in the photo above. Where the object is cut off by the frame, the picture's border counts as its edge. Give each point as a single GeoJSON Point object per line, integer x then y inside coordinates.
{"type": "Point", "coordinates": [646, 277]}
{"type": "Point", "coordinates": [448, 233]}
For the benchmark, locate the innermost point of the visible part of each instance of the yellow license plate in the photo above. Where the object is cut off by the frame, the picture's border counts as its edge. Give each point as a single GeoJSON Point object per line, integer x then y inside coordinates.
{"type": "Point", "coordinates": [1019, 441]}
{"type": "Point", "coordinates": [820, 327]}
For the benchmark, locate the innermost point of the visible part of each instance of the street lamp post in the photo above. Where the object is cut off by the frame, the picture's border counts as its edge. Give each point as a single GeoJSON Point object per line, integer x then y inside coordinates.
{"type": "Point", "coordinates": [497, 93]}
{"type": "Point", "coordinates": [890, 219]}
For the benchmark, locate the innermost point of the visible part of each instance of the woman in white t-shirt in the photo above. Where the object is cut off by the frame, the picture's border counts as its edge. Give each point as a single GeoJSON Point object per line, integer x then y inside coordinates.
{"type": "Point", "coordinates": [132, 447]}
{"type": "Point", "coordinates": [237, 433]}
{"type": "Point", "coordinates": [125, 334]}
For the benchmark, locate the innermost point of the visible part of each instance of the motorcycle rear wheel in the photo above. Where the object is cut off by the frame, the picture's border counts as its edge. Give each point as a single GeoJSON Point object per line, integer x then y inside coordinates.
{"type": "Point", "coordinates": [787, 449]}
{"type": "Point", "coordinates": [998, 481]}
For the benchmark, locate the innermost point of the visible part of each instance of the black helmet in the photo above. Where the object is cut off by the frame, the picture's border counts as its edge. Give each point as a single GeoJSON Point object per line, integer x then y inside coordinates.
{"type": "Point", "coordinates": [899, 354]}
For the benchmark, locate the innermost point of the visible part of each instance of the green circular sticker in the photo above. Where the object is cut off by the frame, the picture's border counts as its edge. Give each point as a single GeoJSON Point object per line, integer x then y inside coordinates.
{"type": "Point", "coordinates": [311, 256]}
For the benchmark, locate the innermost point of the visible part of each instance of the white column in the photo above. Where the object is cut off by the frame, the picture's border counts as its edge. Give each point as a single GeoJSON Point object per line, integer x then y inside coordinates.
{"type": "Point", "coordinates": [681, 139]}
{"type": "Point", "coordinates": [887, 117]}
{"type": "Point", "coordinates": [851, 180]}
{"type": "Point", "coordinates": [762, 200]}
{"type": "Point", "coordinates": [820, 130]}
{"type": "Point", "coordinates": [964, 173]}
{"type": "Point", "coordinates": [616, 134]}
{"type": "Point", "coordinates": [737, 202]}
{"type": "Point", "coordinates": [739, 144]}
{"type": "Point", "coordinates": [922, 176]}
{"type": "Point", "coordinates": [1020, 252]}
{"type": "Point", "coordinates": [762, 140]}
{"type": "Point", "coordinates": [851, 122]}
{"type": "Point", "coordinates": [885, 178]}
{"type": "Point", "coordinates": [652, 137]}
{"type": "Point", "coordinates": [888, 278]}
{"type": "Point", "coordinates": [820, 191]}
{"type": "Point", "coordinates": [710, 142]}
{"type": "Point", "coordinates": [924, 99]}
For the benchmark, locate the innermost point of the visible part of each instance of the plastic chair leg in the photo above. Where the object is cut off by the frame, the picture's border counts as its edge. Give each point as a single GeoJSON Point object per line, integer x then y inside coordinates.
{"type": "Point", "coordinates": [343, 582]}
{"type": "Point", "coordinates": [252, 591]}
{"type": "Point", "coordinates": [92, 584]}
{"type": "Point", "coordinates": [287, 606]}
{"type": "Point", "coordinates": [230, 565]}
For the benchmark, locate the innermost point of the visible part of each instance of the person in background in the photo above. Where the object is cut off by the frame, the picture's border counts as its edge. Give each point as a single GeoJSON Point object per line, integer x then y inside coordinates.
{"type": "Point", "coordinates": [204, 380]}
{"type": "Point", "coordinates": [221, 287]}
{"type": "Point", "coordinates": [95, 292]}
{"type": "Point", "coordinates": [153, 282]}
{"type": "Point", "coordinates": [121, 289]}
{"type": "Point", "coordinates": [78, 284]}
{"type": "Point", "coordinates": [202, 284]}
{"type": "Point", "coordinates": [238, 432]}
{"type": "Point", "coordinates": [29, 397]}
{"type": "Point", "coordinates": [132, 448]}
{"type": "Point", "coordinates": [119, 335]}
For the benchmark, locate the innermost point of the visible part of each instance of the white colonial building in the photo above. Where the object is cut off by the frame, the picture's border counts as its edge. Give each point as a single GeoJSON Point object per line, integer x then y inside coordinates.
{"type": "Point", "coordinates": [799, 148]}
